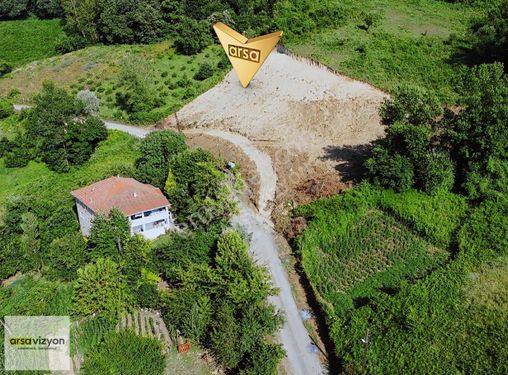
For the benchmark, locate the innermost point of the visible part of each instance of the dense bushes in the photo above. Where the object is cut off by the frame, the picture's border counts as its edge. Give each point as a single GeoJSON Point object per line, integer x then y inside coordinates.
{"type": "Point", "coordinates": [489, 35]}
{"type": "Point", "coordinates": [156, 150]}
{"type": "Point", "coordinates": [198, 190]}
{"type": "Point", "coordinates": [17, 9]}
{"type": "Point", "coordinates": [465, 149]}
{"type": "Point", "coordinates": [218, 298]}
{"type": "Point", "coordinates": [5, 68]}
{"type": "Point", "coordinates": [6, 109]}
{"type": "Point", "coordinates": [57, 131]}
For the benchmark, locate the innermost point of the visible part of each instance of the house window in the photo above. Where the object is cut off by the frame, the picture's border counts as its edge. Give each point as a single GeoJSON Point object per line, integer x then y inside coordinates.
{"type": "Point", "coordinates": [137, 229]}
{"type": "Point", "coordinates": [136, 216]}
{"type": "Point", "coordinates": [156, 211]}
{"type": "Point", "coordinates": [155, 224]}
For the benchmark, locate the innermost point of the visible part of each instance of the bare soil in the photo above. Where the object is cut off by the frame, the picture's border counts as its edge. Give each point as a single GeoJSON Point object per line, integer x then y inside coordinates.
{"type": "Point", "coordinates": [315, 125]}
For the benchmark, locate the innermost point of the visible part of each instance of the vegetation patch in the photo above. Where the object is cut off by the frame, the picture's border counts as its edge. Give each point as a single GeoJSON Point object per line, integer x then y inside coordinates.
{"type": "Point", "coordinates": [138, 83]}
{"type": "Point", "coordinates": [25, 41]}
{"type": "Point", "coordinates": [388, 43]}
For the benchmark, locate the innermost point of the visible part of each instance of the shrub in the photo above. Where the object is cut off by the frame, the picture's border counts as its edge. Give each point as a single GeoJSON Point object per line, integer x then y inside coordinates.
{"type": "Point", "coordinates": [90, 101]}
{"type": "Point", "coordinates": [435, 172]}
{"type": "Point", "coordinates": [5, 67]}
{"type": "Point", "coordinates": [391, 171]}
{"type": "Point", "coordinates": [66, 44]}
{"type": "Point", "coordinates": [6, 109]}
{"type": "Point", "coordinates": [205, 71]}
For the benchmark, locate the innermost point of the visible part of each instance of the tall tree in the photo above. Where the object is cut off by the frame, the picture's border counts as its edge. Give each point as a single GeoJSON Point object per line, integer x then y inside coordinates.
{"type": "Point", "coordinates": [108, 235]}
{"type": "Point", "coordinates": [62, 133]}
{"type": "Point", "coordinates": [479, 133]}
{"type": "Point", "coordinates": [100, 289]}
{"type": "Point", "coordinates": [156, 150]}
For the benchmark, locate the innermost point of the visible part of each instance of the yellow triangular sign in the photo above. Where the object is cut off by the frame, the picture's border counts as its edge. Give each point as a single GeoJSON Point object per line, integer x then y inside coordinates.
{"type": "Point", "coordinates": [246, 55]}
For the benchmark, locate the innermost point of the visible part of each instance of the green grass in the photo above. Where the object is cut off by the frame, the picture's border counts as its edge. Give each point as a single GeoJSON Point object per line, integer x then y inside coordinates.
{"type": "Point", "coordinates": [407, 45]}
{"type": "Point", "coordinates": [28, 296]}
{"type": "Point", "coordinates": [97, 68]}
{"type": "Point", "coordinates": [25, 41]}
{"type": "Point", "coordinates": [352, 252]}
{"type": "Point", "coordinates": [190, 363]}
{"type": "Point", "coordinates": [435, 217]}
{"type": "Point", "coordinates": [425, 311]}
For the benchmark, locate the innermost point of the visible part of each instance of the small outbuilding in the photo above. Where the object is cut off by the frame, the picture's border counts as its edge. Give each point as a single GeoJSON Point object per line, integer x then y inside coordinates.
{"type": "Point", "coordinates": [146, 208]}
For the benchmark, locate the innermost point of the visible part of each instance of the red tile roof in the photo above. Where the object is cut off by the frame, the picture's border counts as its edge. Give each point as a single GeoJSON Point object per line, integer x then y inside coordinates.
{"type": "Point", "coordinates": [126, 194]}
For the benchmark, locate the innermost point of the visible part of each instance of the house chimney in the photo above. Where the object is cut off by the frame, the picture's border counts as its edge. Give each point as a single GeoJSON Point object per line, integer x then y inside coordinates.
{"type": "Point", "coordinates": [135, 195]}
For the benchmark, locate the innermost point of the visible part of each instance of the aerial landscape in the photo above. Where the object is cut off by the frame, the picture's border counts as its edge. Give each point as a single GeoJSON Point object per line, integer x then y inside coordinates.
{"type": "Point", "coordinates": [255, 187]}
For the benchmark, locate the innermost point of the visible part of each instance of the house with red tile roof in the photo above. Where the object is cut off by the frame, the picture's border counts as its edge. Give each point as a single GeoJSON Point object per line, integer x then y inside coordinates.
{"type": "Point", "coordinates": [146, 208]}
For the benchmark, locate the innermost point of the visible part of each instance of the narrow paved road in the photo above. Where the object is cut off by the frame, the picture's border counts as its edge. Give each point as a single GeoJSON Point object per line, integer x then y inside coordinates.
{"type": "Point", "coordinates": [263, 247]}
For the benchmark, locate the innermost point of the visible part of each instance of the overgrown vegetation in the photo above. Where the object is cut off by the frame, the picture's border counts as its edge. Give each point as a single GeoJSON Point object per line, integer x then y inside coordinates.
{"type": "Point", "coordinates": [25, 41]}
{"type": "Point", "coordinates": [139, 84]}
{"type": "Point", "coordinates": [440, 174]}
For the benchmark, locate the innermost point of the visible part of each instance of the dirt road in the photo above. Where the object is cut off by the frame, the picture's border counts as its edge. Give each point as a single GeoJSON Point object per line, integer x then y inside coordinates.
{"type": "Point", "coordinates": [263, 247]}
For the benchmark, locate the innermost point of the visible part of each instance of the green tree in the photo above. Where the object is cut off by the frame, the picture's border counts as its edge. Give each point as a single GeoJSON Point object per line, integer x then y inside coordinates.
{"type": "Point", "coordinates": [136, 255]}
{"type": "Point", "coordinates": [199, 192]}
{"type": "Point", "coordinates": [30, 240]}
{"type": "Point", "coordinates": [179, 250]}
{"type": "Point", "coordinates": [62, 134]}
{"type": "Point", "coordinates": [435, 172]}
{"type": "Point", "coordinates": [156, 151]}
{"type": "Point", "coordinates": [128, 21]}
{"type": "Point", "coordinates": [193, 36]}
{"type": "Point", "coordinates": [66, 255]}
{"type": "Point", "coordinates": [225, 336]}
{"type": "Point", "coordinates": [411, 105]}
{"type": "Point", "coordinates": [13, 9]}
{"type": "Point", "coordinates": [100, 289]}
{"type": "Point", "coordinates": [479, 133]}
{"type": "Point", "coordinates": [264, 359]}
{"type": "Point", "coordinates": [489, 35]}
{"type": "Point", "coordinates": [243, 281]}
{"type": "Point", "coordinates": [108, 235]}
{"type": "Point", "coordinates": [82, 18]}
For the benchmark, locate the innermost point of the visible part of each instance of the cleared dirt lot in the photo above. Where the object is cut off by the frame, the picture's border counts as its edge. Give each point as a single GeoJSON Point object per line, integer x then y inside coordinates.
{"type": "Point", "coordinates": [314, 124]}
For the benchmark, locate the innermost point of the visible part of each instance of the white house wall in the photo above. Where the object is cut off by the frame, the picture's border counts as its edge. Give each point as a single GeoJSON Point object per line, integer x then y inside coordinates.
{"type": "Point", "coordinates": [85, 216]}
{"type": "Point", "coordinates": [146, 221]}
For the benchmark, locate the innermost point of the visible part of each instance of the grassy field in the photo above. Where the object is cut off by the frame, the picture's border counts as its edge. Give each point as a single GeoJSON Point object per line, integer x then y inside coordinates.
{"type": "Point", "coordinates": [25, 41]}
{"type": "Point", "coordinates": [98, 68]}
{"type": "Point", "coordinates": [407, 43]}
{"type": "Point", "coordinates": [352, 251]}
{"type": "Point", "coordinates": [373, 263]}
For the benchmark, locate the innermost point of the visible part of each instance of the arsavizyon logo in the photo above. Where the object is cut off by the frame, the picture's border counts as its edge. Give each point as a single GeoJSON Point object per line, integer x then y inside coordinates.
{"type": "Point", "coordinates": [244, 53]}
